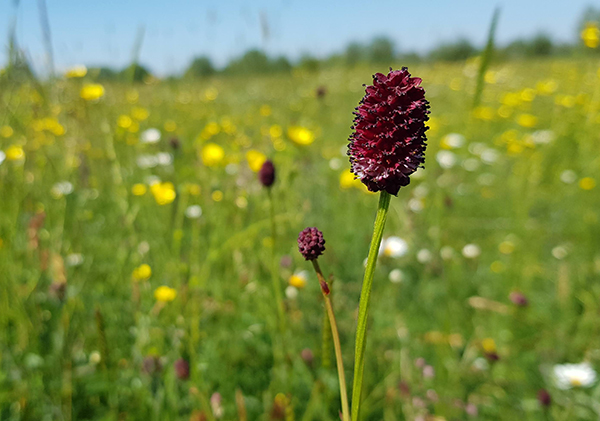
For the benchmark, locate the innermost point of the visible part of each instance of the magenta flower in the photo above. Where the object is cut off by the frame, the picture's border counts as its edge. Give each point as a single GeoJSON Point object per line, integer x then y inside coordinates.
{"type": "Point", "coordinates": [388, 143]}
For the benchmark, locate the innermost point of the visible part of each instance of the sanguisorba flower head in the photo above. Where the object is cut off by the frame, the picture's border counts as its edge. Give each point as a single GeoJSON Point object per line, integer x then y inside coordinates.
{"type": "Point", "coordinates": [311, 243]}
{"type": "Point", "coordinates": [266, 174]}
{"type": "Point", "coordinates": [388, 142]}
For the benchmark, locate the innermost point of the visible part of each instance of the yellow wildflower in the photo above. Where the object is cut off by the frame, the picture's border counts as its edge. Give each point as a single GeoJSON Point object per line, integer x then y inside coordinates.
{"type": "Point", "coordinates": [527, 120]}
{"type": "Point", "coordinates": [211, 94]}
{"type": "Point", "coordinates": [488, 345]}
{"type": "Point", "coordinates": [75, 72]}
{"type": "Point", "coordinates": [124, 121]}
{"type": "Point", "coordinates": [484, 113]}
{"type": "Point", "coordinates": [163, 192]}
{"type": "Point", "coordinates": [275, 130]}
{"type": "Point", "coordinates": [265, 110]}
{"type": "Point", "coordinates": [193, 189]}
{"type": "Point", "coordinates": [255, 159]}
{"type": "Point", "coordinates": [142, 273]}
{"type": "Point", "coordinates": [15, 153]}
{"type": "Point", "coordinates": [591, 35]}
{"type": "Point", "coordinates": [92, 92]}
{"type": "Point", "coordinates": [217, 195]}
{"type": "Point", "coordinates": [6, 131]}
{"type": "Point", "coordinates": [139, 189]}
{"type": "Point", "coordinates": [170, 126]}
{"type": "Point", "coordinates": [347, 180]}
{"type": "Point", "coordinates": [298, 280]}
{"type": "Point", "coordinates": [165, 294]}
{"type": "Point", "coordinates": [212, 154]}
{"type": "Point", "coordinates": [140, 113]}
{"type": "Point", "coordinates": [301, 135]}
{"type": "Point", "coordinates": [587, 183]}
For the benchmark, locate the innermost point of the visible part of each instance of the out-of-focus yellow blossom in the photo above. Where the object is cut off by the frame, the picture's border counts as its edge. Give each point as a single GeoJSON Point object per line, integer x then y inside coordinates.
{"type": "Point", "coordinates": [434, 125]}
{"type": "Point", "coordinates": [255, 159]}
{"type": "Point", "coordinates": [505, 111]}
{"type": "Point", "coordinates": [142, 273]}
{"type": "Point", "coordinates": [140, 113]}
{"type": "Point", "coordinates": [587, 183]}
{"type": "Point", "coordinates": [483, 113]}
{"type": "Point", "coordinates": [139, 189]}
{"type": "Point", "coordinates": [275, 130]}
{"type": "Point", "coordinates": [170, 126]}
{"type": "Point", "coordinates": [347, 180]}
{"type": "Point", "coordinates": [527, 120]}
{"type": "Point", "coordinates": [265, 110]}
{"type": "Point", "coordinates": [165, 294]}
{"type": "Point", "coordinates": [212, 154]}
{"type": "Point", "coordinates": [546, 87]}
{"type": "Point", "coordinates": [497, 266]}
{"type": "Point", "coordinates": [14, 153]}
{"type": "Point", "coordinates": [132, 96]}
{"type": "Point", "coordinates": [567, 101]}
{"type": "Point", "coordinates": [511, 99]}
{"type": "Point", "coordinates": [435, 337]}
{"type": "Point", "coordinates": [163, 192]}
{"type": "Point", "coordinates": [241, 202]}
{"type": "Point", "coordinates": [591, 35]}
{"type": "Point", "coordinates": [490, 77]}
{"type": "Point", "coordinates": [76, 71]}
{"type": "Point", "coordinates": [527, 94]}
{"type": "Point", "coordinates": [6, 131]}
{"type": "Point", "coordinates": [134, 127]}
{"type": "Point", "coordinates": [211, 94]}
{"type": "Point", "coordinates": [217, 195]}
{"type": "Point", "coordinates": [298, 280]}
{"type": "Point", "coordinates": [301, 135]}
{"type": "Point", "coordinates": [210, 130]}
{"type": "Point", "coordinates": [124, 121]}
{"type": "Point", "coordinates": [193, 189]}
{"type": "Point", "coordinates": [488, 345]}
{"type": "Point", "coordinates": [506, 247]}
{"type": "Point", "coordinates": [92, 91]}
{"type": "Point", "coordinates": [456, 84]}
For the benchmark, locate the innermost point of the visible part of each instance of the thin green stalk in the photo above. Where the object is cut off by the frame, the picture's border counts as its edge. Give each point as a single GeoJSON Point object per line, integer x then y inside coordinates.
{"type": "Point", "coordinates": [274, 270]}
{"type": "Point", "coordinates": [336, 341]}
{"type": "Point", "coordinates": [363, 308]}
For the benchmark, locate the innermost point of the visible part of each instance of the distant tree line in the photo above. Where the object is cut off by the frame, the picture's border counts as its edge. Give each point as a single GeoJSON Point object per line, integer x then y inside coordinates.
{"type": "Point", "coordinates": [380, 51]}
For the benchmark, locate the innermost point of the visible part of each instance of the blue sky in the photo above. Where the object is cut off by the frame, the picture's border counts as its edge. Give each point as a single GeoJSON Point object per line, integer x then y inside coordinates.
{"type": "Point", "coordinates": [94, 32]}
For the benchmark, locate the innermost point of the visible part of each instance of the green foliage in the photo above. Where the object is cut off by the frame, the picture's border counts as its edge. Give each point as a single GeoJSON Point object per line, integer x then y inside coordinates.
{"type": "Point", "coordinates": [458, 50]}
{"type": "Point", "coordinates": [517, 177]}
{"type": "Point", "coordinates": [201, 67]}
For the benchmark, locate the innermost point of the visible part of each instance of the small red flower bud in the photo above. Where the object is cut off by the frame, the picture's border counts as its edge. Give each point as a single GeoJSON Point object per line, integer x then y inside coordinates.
{"type": "Point", "coordinates": [266, 174]}
{"type": "Point", "coordinates": [311, 243]}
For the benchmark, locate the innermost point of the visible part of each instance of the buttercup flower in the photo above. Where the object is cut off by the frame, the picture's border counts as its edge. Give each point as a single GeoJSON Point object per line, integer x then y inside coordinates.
{"type": "Point", "coordinates": [591, 35]}
{"type": "Point", "coordinates": [388, 142]}
{"type": "Point", "coordinates": [311, 243]}
{"type": "Point", "coordinates": [574, 375]}
{"type": "Point", "coordinates": [165, 294]}
{"type": "Point", "coordinates": [298, 279]}
{"type": "Point", "coordinates": [142, 272]}
{"type": "Point", "coordinates": [212, 154]}
{"type": "Point", "coordinates": [92, 92]}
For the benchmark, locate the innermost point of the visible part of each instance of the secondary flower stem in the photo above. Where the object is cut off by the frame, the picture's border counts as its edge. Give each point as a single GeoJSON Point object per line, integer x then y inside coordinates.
{"type": "Point", "coordinates": [363, 308]}
{"type": "Point", "coordinates": [336, 341]}
{"type": "Point", "coordinates": [274, 270]}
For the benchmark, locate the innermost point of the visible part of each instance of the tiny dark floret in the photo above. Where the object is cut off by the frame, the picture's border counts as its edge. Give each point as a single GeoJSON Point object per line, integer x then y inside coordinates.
{"type": "Point", "coordinates": [311, 243]}
{"type": "Point", "coordinates": [388, 143]}
{"type": "Point", "coordinates": [266, 174]}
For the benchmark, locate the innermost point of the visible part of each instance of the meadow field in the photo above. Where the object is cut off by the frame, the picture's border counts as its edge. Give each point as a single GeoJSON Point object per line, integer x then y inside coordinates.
{"type": "Point", "coordinates": [146, 274]}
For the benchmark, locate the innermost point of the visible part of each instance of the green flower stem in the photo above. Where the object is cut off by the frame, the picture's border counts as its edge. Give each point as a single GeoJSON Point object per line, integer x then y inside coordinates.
{"type": "Point", "coordinates": [363, 308]}
{"type": "Point", "coordinates": [275, 268]}
{"type": "Point", "coordinates": [336, 341]}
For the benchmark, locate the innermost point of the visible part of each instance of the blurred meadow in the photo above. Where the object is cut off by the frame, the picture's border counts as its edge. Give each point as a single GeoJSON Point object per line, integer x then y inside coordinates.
{"type": "Point", "coordinates": [138, 261]}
